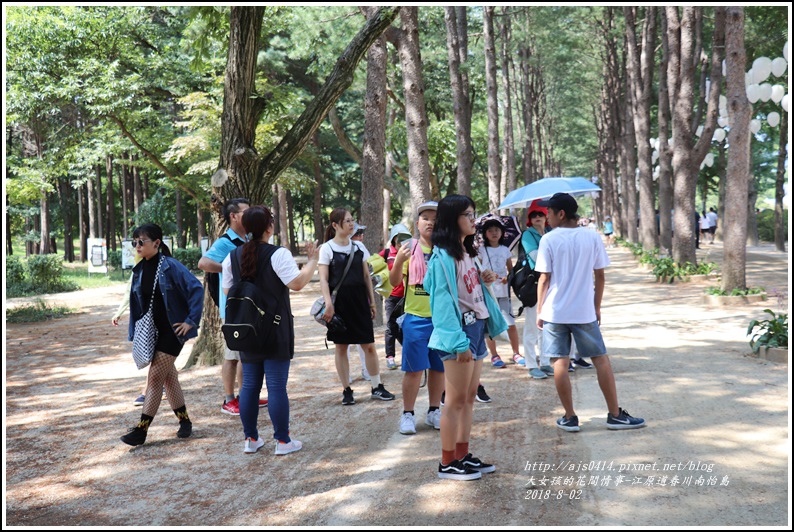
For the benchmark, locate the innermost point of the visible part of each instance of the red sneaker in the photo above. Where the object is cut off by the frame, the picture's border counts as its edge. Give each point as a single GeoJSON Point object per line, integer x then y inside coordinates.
{"type": "Point", "coordinates": [231, 407]}
{"type": "Point", "coordinates": [262, 403]}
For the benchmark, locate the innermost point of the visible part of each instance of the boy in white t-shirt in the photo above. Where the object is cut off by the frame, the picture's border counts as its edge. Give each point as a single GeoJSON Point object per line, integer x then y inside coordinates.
{"type": "Point", "coordinates": [569, 304]}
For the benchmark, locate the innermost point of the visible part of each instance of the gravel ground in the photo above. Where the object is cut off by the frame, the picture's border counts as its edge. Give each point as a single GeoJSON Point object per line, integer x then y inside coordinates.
{"type": "Point", "coordinates": [715, 451]}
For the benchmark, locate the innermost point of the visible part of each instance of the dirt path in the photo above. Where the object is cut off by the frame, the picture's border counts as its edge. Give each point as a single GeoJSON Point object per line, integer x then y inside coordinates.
{"type": "Point", "coordinates": [718, 417]}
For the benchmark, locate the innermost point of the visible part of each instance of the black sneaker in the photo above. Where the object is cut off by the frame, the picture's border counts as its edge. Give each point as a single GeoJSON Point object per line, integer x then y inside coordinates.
{"type": "Point", "coordinates": [347, 396]}
{"type": "Point", "coordinates": [624, 421]}
{"type": "Point", "coordinates": [381, 393]}
{"type": "Point", "coordinates": [582, 363]}
{"type": "Point", "coordinates": [457, 471]}
{"type": "Point", "coordinates": [481, 395]}
{"type": "Point", "coordinates": [185, 429]}
{"type": "Point", "coordinates": [477, 464]}
{"type": "Point", "coordinates": [136, 436]}
{"type": "Point", "coordinates": [569, 424]}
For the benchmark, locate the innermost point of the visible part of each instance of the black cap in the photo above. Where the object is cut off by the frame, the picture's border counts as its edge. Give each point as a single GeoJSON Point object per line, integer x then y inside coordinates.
{"type": "Point", "coordinates": [561, 202]}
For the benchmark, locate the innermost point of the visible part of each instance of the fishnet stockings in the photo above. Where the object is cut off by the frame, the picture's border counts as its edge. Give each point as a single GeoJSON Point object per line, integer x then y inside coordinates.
{"type": "Point", "coordinates": [162, 372]}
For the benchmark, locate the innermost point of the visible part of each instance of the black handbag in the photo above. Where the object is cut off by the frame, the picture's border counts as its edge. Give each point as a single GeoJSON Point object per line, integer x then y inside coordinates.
{"type": "Point", "coordinates": [524, 282]}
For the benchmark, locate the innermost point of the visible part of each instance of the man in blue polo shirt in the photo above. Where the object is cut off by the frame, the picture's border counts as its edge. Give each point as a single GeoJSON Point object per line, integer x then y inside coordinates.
{"type": "Point", "coordinates": [211, 262]}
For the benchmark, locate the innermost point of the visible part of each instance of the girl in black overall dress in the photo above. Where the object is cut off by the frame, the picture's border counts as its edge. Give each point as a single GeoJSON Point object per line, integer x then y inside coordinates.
{"type": "Point", "coordinates": [354, 302]}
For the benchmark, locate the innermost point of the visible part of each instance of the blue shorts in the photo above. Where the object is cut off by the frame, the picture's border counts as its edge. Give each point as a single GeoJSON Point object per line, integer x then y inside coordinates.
{"type": "Point", "coordinates": [416, 355]}
{"type": "Point", "coordinates": [476, 335]}
{"type": "Point", "coordinates": [557, 339]}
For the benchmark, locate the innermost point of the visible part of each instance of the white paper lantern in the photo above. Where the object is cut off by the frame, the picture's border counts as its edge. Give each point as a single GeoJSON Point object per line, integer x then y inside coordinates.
{"type": "Point", "coordinates": [748, 78]}
{"type": "Point", "coordinates": [709, 160]}
{"type": "Point", "coordinates": [708, 86]}
{"type": "Point", "coordinates": [722, 121]}
{"type": "Point", "coordinates": [765, 90]}
{"type": "Point", "coordinates": [723, 102]}
{"type": "Point", "coordinates": [724, 113]}
{"type": "Point", "coordinates": [755, 126]}
{"type": "Point", "coordinates": [753, 93]}
{"type": "Point", "coordinates": [779, 67]}
{"type": "Point", "coordinates": [654, 156]}
{"type": "Point", "coordinates": [784, 103]}
{"type": "Point", "coordinates": [785, 51]}
{"type": "Point", "coordinates": [762, 67]}
{"type": "Point", "coordinates": [724, 68]}
{"type": "Point", "coordinates": [699, 131]}
{"type": "Point", "coordinates": [773, 119]}
{"type": "Point", "coordinates": [719, 135]}
{"type": "Point", "coordinates": [778, 91]}
{"type": "Point", "coordinates": [652, 142]}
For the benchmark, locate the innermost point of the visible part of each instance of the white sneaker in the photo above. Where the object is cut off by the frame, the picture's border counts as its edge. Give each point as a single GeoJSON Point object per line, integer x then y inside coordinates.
{"type": "Point", "coordinates": [252, 446]}
{"type": "Point", "coordinates": [434, 419]}
{"type": "Point", "coordinates": [365, 374]}
{"type": "Point", "coordinates": [286, 448]}
{"type": "Point", "coordinates": [407, 424]}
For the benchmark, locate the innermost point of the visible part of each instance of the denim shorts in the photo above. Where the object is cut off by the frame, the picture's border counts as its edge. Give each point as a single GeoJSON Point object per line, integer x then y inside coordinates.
{"type": "Point", "coordinates": [476, 335]}
{"type": "Point", "coordinates": [416, 355]}
{"type": "Point", "coordinates": [557, 339]}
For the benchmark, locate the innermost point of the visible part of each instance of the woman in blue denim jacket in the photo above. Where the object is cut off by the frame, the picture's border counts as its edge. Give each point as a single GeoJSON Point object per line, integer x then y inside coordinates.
{"type": "Point", "coordinates": [463, 311]}
{"type": "Point", "coordinates": [177, 305]}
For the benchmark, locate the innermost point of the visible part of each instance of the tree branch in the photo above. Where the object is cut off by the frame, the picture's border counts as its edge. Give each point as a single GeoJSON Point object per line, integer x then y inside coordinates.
{"type": "Point", "coordinates": [175, 175]}
{"type": "Point", "coordinates": [344, 141]}
{"type": "Point", "coordinates": [339, 80]}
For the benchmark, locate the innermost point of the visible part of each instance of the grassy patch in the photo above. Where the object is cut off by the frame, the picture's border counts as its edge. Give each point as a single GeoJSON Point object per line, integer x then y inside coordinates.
{"type": "Point", "coordinates": [78, 273]}
{"type": "Point", "coordinates": [38, 311]}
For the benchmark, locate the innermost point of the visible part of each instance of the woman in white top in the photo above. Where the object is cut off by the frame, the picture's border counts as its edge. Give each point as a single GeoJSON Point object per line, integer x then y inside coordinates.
{"type": "Point", "coordinates": [354, 303]}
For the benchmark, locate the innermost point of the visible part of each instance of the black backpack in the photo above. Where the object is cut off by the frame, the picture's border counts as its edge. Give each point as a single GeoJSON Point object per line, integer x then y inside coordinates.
{"type": "Point", "coordinates": [524, 281]}
{"type": "Point", "coordinates": [249, 326]}
{"type": "Point", "coordinates": [214, 279]}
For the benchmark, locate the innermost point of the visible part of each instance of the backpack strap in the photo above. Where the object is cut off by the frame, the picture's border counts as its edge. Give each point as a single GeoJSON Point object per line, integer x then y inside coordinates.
{"type": "Point", "coordinates": [353, 251]}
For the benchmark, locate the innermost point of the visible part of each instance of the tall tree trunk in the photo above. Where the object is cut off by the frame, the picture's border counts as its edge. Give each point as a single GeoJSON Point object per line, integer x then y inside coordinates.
{"type": "Point", "coordinates": [780, 227]}
{"type": "Point", "coordinates": [494, 170]}
{"type": "Point", "coordinates": [752, 197]}
{"type": "Point", "coordinates": [110, 203]}
{"type": "Point", "coordinates": [739, 114]}
{"type": "Point", "coordinates": [100, 212]}
{"type": "Point", "coordinates": [65, 200]}
{"type": "Point", "coordinates": [293, 245]}
{"type": "Point", "coordinates": [181, 239]}
{"type": "Point", "coordinates": [9, 245]}
{"type": "Point", "coordinates": [687, 155]}
{"type": "Point", "coordinates": [528, 148]}
{"type": "Point", "coordinates": [373, 164]}
{"type": "Point", "coordinates": [129, 210]}
{"type": "Point", "coordinates": [456, 49]}
{"type": "Point", "coordinates": [640, 68]}
{"type": "Point", "coordinates": [723, 166]}
{"type": "Point", "coordinates": [136, 183]}
{"type": "Point", "coordinates": [92, 211]}
{"type": "Point", "coordinates": [508, 152]}
{"type": "Point", "coordinates": [200, 231]}
{"type": "Point", "coordinates": [283, 225]}
{"type": "Point", "coordinates": [415, 112]}
{"type": "Point", "coordinates": [628, 168]}
{"type": "Point", "coordinates": [665, 155]}
{"type": "Point", "coordinates": [82, 217]}
{"type": "Point", "coordinates": [317, 210]}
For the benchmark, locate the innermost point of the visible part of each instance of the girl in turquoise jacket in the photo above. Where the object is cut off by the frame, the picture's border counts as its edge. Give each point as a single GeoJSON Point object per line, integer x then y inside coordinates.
{"type": "Point", "coordinates": [463, 311]}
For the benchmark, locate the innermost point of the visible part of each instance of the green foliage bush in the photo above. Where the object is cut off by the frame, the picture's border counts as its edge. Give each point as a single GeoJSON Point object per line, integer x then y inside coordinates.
{"type": "Point", "coordinates": [772, 332]}
{"type": "Point", "coordinates": [717, 291]}
{"type": "Point", "coordinates": [43, 274]}
{"type": "Point", "coordinates": [766, 224]}
{"type": "Point", "coordinates": [16, 277]}
{"type": "Point", "coordinates": [188, 256]}
{"type": "Point", "coordinates": [114, 258]}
